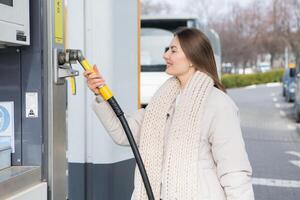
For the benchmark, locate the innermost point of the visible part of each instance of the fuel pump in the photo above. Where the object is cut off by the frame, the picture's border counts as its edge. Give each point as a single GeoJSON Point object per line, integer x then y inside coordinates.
{"type": "Point", "coordinates": [64, 69]}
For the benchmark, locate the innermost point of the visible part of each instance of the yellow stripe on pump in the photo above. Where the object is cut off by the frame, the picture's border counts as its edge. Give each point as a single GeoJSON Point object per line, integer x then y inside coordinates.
{"type": "Point", "coordinates": [103, 90]}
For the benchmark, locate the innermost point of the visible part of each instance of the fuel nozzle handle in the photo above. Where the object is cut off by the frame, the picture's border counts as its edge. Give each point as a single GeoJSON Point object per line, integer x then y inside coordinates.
{"type": "Point", "coordinates": [104, 91]}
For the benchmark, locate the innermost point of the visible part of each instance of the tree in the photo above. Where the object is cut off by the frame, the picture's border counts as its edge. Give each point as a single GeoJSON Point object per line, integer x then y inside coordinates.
{"type": "Point", "coordinates": [272, 39]}
{"type": "Point", "coordinates": [149, 7]}
{"type": "Point", "coordinates": [292, 31]}
{"type": "Point", "coordinates": [239, 34]}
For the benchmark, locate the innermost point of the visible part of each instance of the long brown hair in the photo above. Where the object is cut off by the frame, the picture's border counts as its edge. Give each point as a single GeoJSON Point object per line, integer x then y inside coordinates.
{"type": "Point", "coordinates": [198, 50]}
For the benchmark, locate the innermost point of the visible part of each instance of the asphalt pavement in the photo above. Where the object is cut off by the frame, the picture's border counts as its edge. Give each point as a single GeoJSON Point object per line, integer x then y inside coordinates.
{"type": "Point", "coordinates": [272, 142]}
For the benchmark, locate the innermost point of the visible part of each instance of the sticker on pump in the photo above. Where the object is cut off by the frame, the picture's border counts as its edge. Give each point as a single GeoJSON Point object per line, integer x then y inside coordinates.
{"type": "Point", "coordinates": [31, 104]}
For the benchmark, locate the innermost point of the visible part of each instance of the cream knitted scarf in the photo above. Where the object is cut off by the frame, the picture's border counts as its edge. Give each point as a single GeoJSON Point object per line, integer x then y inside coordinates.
{"type": "Point", "coordinates": [184, 135]}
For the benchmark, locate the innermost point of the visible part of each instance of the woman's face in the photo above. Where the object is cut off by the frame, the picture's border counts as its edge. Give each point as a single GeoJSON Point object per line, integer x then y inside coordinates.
{"type": "Point", "coordinates": [176, 61]}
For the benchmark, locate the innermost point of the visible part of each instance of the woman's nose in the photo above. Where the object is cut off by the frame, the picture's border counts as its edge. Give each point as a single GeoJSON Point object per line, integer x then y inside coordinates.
{"type": "Point", "coordinates": [166, 55]}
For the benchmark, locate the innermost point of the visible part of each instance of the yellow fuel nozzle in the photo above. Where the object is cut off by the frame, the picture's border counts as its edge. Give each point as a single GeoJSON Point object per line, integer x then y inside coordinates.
{"type": "Point", "coordinates": [104, 91]}
{"type": "Point", "coordinates": [73, 55]}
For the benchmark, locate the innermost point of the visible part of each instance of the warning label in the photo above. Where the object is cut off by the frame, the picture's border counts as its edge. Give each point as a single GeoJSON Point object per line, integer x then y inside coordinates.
{"type": "Point", "coordinates": [31, 104]}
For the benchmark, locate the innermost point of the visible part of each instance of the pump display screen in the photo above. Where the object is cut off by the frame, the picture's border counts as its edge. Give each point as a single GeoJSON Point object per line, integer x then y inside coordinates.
{"type": "Point", "coordinates": [7, 2]}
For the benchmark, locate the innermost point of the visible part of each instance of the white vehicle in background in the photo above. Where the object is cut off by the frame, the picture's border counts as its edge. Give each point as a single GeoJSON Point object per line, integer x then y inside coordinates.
{"type": "Point", "coordinates": [156, 35]}
{"type": "Point", "coordinates": [264, 67]}
{"type": "Point", "coordinates": [153, 44]}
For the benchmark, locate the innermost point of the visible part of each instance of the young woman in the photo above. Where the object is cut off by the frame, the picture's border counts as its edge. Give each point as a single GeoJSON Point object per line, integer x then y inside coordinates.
{"type": "Point", "coordinates": [189, 135]}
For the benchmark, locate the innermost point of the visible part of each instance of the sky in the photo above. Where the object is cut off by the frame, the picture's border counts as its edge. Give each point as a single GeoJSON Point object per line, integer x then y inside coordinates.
{"type": "Point", "coordinates": [216, 9]}
{"type": "Point", "coordinates": [222, 5]}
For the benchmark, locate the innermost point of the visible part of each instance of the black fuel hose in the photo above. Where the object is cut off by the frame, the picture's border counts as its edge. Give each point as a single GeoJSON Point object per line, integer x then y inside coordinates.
{"type": "Point", "coordinates": [120, 114]}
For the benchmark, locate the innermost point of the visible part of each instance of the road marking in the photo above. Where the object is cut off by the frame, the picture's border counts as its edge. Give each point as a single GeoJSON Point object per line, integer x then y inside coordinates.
{"type": "Point", "coordinates": [273, 84]}
{"type": "Point", "coordinates": [276, 182]}
{"type": "Point", "coordinates": [250, 87]}
{"type": "Point", "coordinates": [274, 99]}
{"type": "Point", "coordinates": [294, 153]}
{"type": "Point", "coordinates": [277, 105]}
{"type": "Point", "coordinates": [280, 182]}
{"type": "Point", "coordinates": [282, 113]}
{"type": "Point", "coordinates": [291, 127]}
{"type": "Point", "coordinates": [295, 162]}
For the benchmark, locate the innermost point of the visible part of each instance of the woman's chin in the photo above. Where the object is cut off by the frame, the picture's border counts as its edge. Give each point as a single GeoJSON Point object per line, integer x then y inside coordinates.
{"type": "Point", "coordinates": [170, 71]}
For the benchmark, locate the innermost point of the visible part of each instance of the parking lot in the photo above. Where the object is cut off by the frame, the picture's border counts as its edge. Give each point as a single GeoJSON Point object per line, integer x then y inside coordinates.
{"type": "Point", "coordinates": [272, 141]}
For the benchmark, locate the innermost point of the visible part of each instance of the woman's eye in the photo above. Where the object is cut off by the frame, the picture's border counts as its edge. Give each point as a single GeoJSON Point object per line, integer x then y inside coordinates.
{"type": "Point", "coordinates": [173, 51]}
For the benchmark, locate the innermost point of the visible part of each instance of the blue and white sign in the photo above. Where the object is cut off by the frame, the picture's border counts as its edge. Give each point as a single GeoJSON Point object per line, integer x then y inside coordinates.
{"type": "Point", "coordinates": [4, 119]}
{"type": "Point", "coordinates": [7, 123]}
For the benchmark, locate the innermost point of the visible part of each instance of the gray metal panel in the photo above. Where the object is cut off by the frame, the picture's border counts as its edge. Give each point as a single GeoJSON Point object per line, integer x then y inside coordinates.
{"type": "Point", "coordinates": [45, 93]}
{"type": "Point", "coordinates": [57, 142]}
{"type": "Point", "coordinates": [31, 127]}
{"type": "Point", "coordinates": [5, 158]}
{"type": "Point", "coordinates": [101, 181]}
{"type": "Point", "coordinates": [55, 100]}
{"type": "Point", "coordinates": [31, 67]}
{"type": "Point", "coordinates": [10, 90]}
{"type": "Point", "coordinates": [15, 179]}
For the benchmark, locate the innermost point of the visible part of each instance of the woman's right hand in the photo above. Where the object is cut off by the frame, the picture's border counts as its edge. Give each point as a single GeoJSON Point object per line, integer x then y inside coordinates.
{"type": "Point", "coordinates": [94, 79]}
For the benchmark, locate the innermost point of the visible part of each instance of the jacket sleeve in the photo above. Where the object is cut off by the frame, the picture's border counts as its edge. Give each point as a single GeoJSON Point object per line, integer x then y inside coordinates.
{"type": "Point", "coordinates": [112, 124]}
{"type": "Point", "coordinates": [228, 149]}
